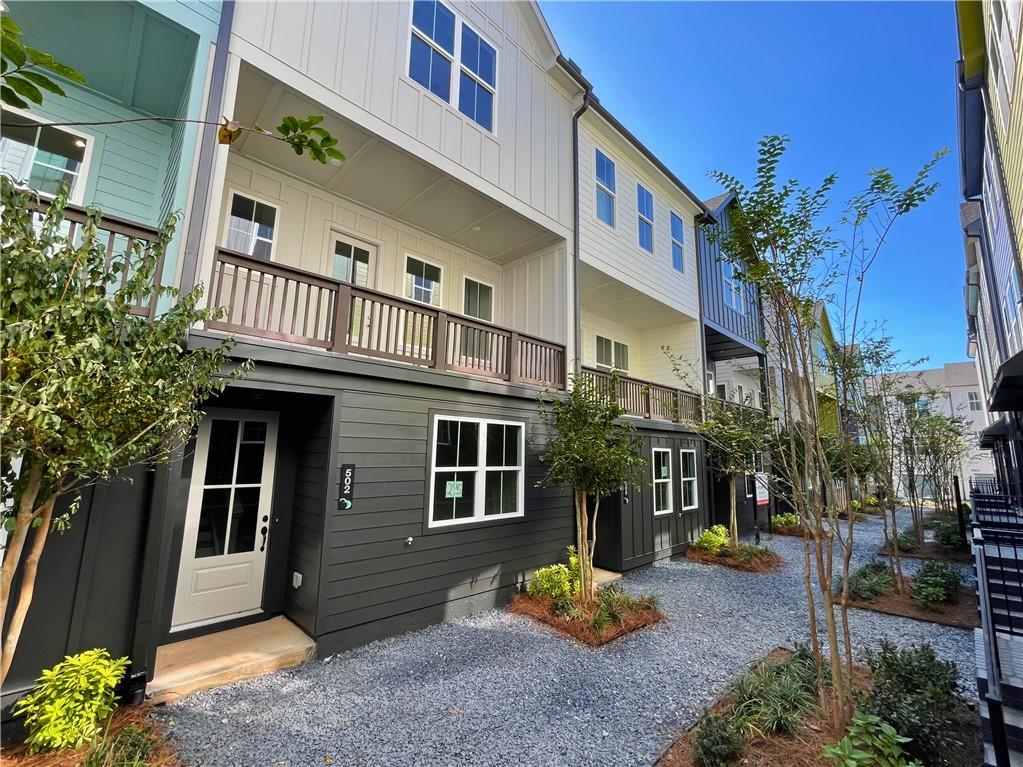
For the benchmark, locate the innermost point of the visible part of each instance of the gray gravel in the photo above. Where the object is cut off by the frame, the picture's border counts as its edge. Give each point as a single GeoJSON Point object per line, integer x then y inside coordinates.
{"type": "Point", "coordinates": [498, 689]}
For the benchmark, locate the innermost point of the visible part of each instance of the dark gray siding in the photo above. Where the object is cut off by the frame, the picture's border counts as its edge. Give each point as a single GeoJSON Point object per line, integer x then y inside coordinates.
{"type": "Point", "coordinates": [747, 513]}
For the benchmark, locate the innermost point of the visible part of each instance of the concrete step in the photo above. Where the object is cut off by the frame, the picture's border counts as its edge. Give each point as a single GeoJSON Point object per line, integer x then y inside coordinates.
{"type": "Point", "coordinates": [227, 656]}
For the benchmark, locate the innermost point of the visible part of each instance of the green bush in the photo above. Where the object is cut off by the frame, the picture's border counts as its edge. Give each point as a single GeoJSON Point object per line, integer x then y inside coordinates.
{"type": "Point", "coordinates": [870, 742]}
{"type": "Point", "coordinates": [128, 747]}
{"type": "Point", "coordinates": [72, 700]}
{"type": "Point", "coordinates": [787, 521]}
{"type": "Point", "coordinates": [870, 581]}
{"type": "Point", "coordinates": [855, 505]}
{"type": "Point", "coordinates": [907, 540]}
{"type": "Point", "coordinates": [713, 539]}
{"type": "Point", "coordinates": [614, 605]}
{"type": "Point", "coordinates": [871, 501]}
{"type": "Point", "coordinates": [918, 695]}
{"type": "Point", "coordinates": [718, 742]}
{"type": "Point", "coordinates": [947, 534]}
{"type": "Point", "coordinates": [935, 584]}
{"type": "Point", "coordinates": [746, 552]}
{"type": "Point", "coordinates": [775, 696]}
{"type": "Point", "coordinates": [554, 581]}
{"type": "Point", "coordinates": [573, 568]}
{"type": "Point", "coordinates": [966, 507]}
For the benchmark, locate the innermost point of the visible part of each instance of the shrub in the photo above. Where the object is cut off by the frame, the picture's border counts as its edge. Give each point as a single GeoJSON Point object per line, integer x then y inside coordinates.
{"type": "Point", "coordinates": [870, 742]}
{"type": "Point", "coordinates": [935, 584]}
{"type": "Point", "coordinates": [870, 581]}
{"type": "Point", "coordinates": [713, 539]}
{"type": "Point", "coordinates": [747, 552]}
{"type": "Point", "coordinates": [947, 534]}
{"type": "Point", "coordinates": [775, 696]}
{"type": "Point", "coordinates": [966, 508]}
{"type": "Point", "coordinates": [871, 501]}
{"type": "Point", "coordinates": [718, 742]}
{"type": "Point", "coordinates": [855, 505]}
{"type": "Point", "coordinates": [573, 568]}
{"type": "Point", "coordinates": [787, 522]}
{"type": "Point", "coordinates": [72, 699]}
{"type": "Point", "coordinates": [917, 694]}
{"type": "Point", "coordinates": [907, 540]}
{"type": "Point", "coordinates": [554, 581]}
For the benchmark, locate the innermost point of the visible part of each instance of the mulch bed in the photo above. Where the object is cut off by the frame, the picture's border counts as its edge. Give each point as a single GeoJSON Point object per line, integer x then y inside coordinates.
{"type": "Point", "coordinates": [795, 532]}
{"type": "Point", "coordinates": [542, 609]}
{"type": "Point", "coordinates": [962, 613]}
{"type": "Point", "coordinates": [161, 755]}
{"type": "Point", "coordinates": [934, 550]}
{"type": "Point", "coordinates": [763, 562]}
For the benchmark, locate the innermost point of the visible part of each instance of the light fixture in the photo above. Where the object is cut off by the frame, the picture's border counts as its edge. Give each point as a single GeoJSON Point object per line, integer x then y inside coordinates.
{"type": "Point", "coordinates": [80, 143]}
{"type": "Point", "coordinates": [475, 228]}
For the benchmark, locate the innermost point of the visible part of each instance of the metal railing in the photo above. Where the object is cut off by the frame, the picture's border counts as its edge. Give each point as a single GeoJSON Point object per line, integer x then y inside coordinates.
{"type": "Point", "coordinates": [647, 399]}
{"type": "Point", "coordinates": [268, 300]}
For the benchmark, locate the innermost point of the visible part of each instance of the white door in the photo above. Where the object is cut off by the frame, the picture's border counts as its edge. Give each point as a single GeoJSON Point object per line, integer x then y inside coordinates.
{"type": "Point", "coordinates": [223, 551]}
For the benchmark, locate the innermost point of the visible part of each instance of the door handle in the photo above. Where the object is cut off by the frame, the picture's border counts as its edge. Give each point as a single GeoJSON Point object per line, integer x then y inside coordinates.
{"type": "Point", "coordinates": [264, 530]}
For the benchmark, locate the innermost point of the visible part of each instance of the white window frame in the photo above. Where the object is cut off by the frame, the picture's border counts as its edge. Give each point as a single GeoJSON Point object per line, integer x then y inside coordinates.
{"type": "Point", "coordinates": [480, 469]}
{"type": "Point", "coordinates": [231, 192]}
{"type": "Point", "coordinates": [660, 481]}
{"type": "Point", "coordinates": [493, 298]}
{"type": "Point", "coordinates": [598, 185]}
{"type": "Point", "coordinates": [734, 297]}
{"type": "Point", "coordinates": [77, 192]}
{"type": "Point", "coordinates": [614, 356]}
{"type": "Point", "coordinates": [973, 400]}
{"type": "Point", "coordinates": [641, 219]}
{"type": "Point", "coordinates": [440, 282]}
{"type": "Point", "coordinates": [455, 58]}
{"type": "Point", "coordinates": [677, 243]}
{"type": "Point", "coordinates": [334, 234]}
{"type": "Point", "coordinates": [694, 479]}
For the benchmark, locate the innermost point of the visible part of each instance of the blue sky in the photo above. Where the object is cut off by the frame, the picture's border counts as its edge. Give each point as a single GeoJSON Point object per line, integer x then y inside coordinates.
{"type": "Point", "coordinates": [855, 86]}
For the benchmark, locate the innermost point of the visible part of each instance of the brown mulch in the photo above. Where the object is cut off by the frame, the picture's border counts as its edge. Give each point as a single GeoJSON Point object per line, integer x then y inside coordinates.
{"type": "Point", "coordinates": [962, 613]}
{"type": "Point", "coordinates": [161, 755]}
{"type": "Point", "coordinates": [542, 609]}
{"type": "Point", "coordinates": [795, 532]}
{"type": "Point", "coordinates": [934, 550]}
{"type": "Point", "coordinates": [763, 562]}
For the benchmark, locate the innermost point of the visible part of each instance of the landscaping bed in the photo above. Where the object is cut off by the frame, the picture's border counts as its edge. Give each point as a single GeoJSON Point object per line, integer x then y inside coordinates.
{"type": "Point", "coordinates": [934, 594]}
{"type": "Point", "coordinates": [581, 623]}
{"type": "Point", "coordinates": [961, 613]}
{"type": "Point", "coordinates": [933, 550]}
{"type": "Point", "coordinates": [714, 547]}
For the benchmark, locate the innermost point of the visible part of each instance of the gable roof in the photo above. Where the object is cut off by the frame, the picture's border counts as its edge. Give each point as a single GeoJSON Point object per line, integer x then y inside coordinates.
{"type": "Point", "coordinates": [716, 204]}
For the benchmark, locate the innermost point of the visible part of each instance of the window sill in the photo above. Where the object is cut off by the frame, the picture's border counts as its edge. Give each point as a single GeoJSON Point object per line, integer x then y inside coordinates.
{"type": "Point", "coordinates": [433, 528]}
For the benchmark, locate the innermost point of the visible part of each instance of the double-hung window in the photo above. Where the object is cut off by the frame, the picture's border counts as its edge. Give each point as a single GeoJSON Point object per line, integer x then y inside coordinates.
{"type": "Point", "coordinates": [687, 467]}
{"type": "Point", "coordinates": [974, 399]}
{"type": "Point", "coordinates": [251, 226]}
{"type": "Point", "coordinates": [422, 281]}
{"type": "Point", "coordinates": [677, 243]}
{"type": "Point", "coordinates": [439, 39]}
{"type": "Point", "coordinates": [732, 287]}
{"type": "Point", "coordinates": [41, 156]}
{"type": "Point", "coordinates": [350, 260]}
{"type": "Point", "coordinates": [605, 178]}
{"type": "Point", "coordinates": [661, 464]}
{"type": "Point", "coordinates": [645, 217]}
{"type": "Point", "coordinates": [477, 472]}
{"type": "Point", "coordinates": [612, 355]}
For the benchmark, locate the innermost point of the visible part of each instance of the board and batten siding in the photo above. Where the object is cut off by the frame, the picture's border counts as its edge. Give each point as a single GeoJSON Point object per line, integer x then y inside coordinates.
{"type": "Point", "coordinates": [353, 58]}
{"type": "Point", "coordinates": [530, 293]}
{"type": "Point", "coordinates": [370, 573]}
{"type": "Point", "coordinates": [616, 252]}
{"type": "Point", "coordinates": [744, 326]}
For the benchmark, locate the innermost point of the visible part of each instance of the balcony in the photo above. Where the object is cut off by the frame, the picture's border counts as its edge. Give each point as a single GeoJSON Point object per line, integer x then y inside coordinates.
{"type": "Point", "coordinates": [268, 300]}
{"type": "Point", "coordinates": [645, 399]}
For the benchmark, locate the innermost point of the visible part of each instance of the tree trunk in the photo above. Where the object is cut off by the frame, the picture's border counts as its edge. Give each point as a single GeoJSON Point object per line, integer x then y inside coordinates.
{"type": "Point", "coordinates": [16, 541]}
{"type": "Point", "coordinates": [585, 564]}
{"type": "Point", "coordinates": [593, 537]}
{"type": "Point", "coordinates": [733, 519]}
{"type": "Point", "coordinates": [28, 582]}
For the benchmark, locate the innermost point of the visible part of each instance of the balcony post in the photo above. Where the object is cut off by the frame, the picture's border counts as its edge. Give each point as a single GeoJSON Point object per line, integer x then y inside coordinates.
{"type": "Point", "coordinates": [439, 359]}
{"type": "Point", "coordinates": [342, 317]}
{"type": "Point", "coordinates": [513, 358]}
{"type": "Point", "coordinates": [647, 397]}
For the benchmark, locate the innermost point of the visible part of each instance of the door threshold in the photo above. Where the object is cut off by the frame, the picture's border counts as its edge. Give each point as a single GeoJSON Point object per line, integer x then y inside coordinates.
{"type": "Point", "coordinates": [212, 660]}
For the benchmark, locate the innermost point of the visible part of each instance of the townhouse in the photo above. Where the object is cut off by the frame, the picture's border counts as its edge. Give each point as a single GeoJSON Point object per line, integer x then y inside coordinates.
{"type": "Point", "coordinates": [493, 232]}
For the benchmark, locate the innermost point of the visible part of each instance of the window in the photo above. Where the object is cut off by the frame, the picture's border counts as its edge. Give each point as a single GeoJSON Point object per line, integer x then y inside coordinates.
{"type": "Point", "coordinates": [476, 84]}
{"type": "Point", "coordinates": [974, 399]}
{"type": "Point", "coordinates": [687, 464]}
{"type": "Point", "coordinates": [662, 480]}
{"type": "Point", "coordinates": [422, 281]}
{"type": "Point", "coordinates": [645, 209]}
{"type": "Point", "coordinates": [432, 54]}
{"type": "Point", "coordinates": [250, 227]}
{"type": "Point", "coordinates": [751, 485]}
{"type": "Point", "coordinates": [612, 355]}
{"type": "Point", "coordinates": [605, 175]}
{"type": "Point", "coordinates": [740, 394]}
{"type": "Point", "coordinates": [732, 287]}
{"type": "Point", "coordinates": [41, 156]}
{"type": "Point", "coordinates": [677, 243]}
{"type": "Point", "coordinates": [477, 471]}
{"type": "Point", "coordinates": [478, 301]}
{"type": "Point", "coordinates": [350, 261]}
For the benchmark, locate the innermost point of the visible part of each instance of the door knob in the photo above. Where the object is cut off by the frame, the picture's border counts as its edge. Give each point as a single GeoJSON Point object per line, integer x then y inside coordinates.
{"type": "Point", "coordinates": [264, 529]}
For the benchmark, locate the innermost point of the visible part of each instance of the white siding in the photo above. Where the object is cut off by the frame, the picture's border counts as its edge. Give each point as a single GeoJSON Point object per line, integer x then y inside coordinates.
{"type": "Point", "coordinates": [647, 360]}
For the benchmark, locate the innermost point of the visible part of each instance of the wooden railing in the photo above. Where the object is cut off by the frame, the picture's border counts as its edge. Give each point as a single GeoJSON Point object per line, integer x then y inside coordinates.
{"type": "Point", "coordinates": [267, 300]}
{"type": "Point", "coordinates": [647, 399]}
{"type": "Point", "coordinates": [126, 243]}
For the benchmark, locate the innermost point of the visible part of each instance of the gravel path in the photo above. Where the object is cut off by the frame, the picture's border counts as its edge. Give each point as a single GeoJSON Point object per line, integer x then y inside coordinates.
{"type": "Point", "coordinates": [498, 689]}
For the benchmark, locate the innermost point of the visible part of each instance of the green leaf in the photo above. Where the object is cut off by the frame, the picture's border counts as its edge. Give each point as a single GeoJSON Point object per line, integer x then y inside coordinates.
{"type": "Point", "coordinates": [10, 98]}
{"type": "Point", "coordinates": [12, 49]}
{"type": "Point", "coordinates": [43, 82]}
{"type": "Point", "coordinates": [8, 26]}
{"type": "Point", "coordinates": [24, 88]}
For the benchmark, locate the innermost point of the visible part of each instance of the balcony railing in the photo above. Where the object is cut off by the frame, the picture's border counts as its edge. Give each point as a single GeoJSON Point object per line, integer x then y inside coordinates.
{"type": "Point", "coordinates": [267, 300]}
{"type": "Point", "coordinates": [647, 399]}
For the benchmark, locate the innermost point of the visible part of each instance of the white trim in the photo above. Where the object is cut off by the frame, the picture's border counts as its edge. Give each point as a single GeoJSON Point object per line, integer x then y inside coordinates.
{"type": "Point", "coordinates": [77, 193]}
{"type": "Point", "coordinates": [226, 229]}
{"type": "Point", "coordinates": [598, 185]}
{"type": "Point", "coordinates": [493, 299]}
{"type": "Point", "coordinates": [695, 479]}
{"type": "Point", "coordinates": [333, 235]}
{"type": "Point", "coordinates": [658, 480]}
{"type": "Point", "coordinates": [440, 282]}
{"type": "Point", "coordinates": [480, 469]}
{"type": "Point", "coordinates": [614, 362]}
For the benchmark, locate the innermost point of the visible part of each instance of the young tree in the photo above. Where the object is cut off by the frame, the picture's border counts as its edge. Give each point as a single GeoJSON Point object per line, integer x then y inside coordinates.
{"type": "Point", "coordinates": [87, 389]}
{"type": "Point", "coordinates": [592, 449]}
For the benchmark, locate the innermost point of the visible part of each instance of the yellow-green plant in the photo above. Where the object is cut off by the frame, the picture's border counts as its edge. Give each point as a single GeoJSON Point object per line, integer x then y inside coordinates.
{"type": "Point", "coordinates": [72, 700]}
{"type": "Point", "coordinates": [554, 581]}
{"type": "Point", "coordinates": [713, 539]}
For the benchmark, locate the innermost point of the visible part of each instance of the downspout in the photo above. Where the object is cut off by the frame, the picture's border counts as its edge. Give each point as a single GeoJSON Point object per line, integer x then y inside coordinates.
{"type": "Point", "coordinates": [577, 363]}
{"type": "Point", "coordinates": [208, 147]}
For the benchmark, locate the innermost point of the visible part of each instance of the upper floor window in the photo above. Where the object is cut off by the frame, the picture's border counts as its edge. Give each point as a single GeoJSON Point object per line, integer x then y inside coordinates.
{"type": "Point", "coordinates": [478, 301]}
{"type": "Point", "coordinates": [645, 209]}
{"type": "Point", "coordinates": [605, 175]}
{"type": "Point", "coordinates": [974, 399]}
{"type": "Point", "coordinates": [251, 226]}
{"type": "Point", "coordinates": [41, 156]}
{"type": "Point", "coordinates": [422, 281]}
{"type": "Point", "coordinates": [435, 47]}
{"type": "Point", "coordinates": [732, 287]}
{"type": "Point", "coordinates": [678, 231]}
{"type": "Point", "coordinates": [350, 260]}
{"type": "Point", "coordinates": [612, 355]}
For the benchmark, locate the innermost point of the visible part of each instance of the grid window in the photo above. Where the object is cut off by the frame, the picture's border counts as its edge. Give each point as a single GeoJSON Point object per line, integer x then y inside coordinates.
{"type": "Point", "coordinates": [251, 226]}
{"type": "Point", "coordinates": [479, 300]}
{"type": "Point", "coordinates": [605, 175]}
{"type": "Point", "coordinates": [687, 467]}
{"type": "Point", "coordinates": [732, 287]}
{"type": "Point", "coordinates": [974, 399]}
{"type": "Point", "coordinates": [477, 84]}
{"type": "Point", "coordinates": [612, 355]}
{"type": "Point", "coordinates": [661, 465]}
{"type": "Point", "coordinates": [350, 261]}
{"type": "Point", "coordinates": [41, 156]}
{"type": "Point", "coordinates": [477, 471]}
{"type": "Point", "coordinates": [645, 209]}
{"type": "Point", "coordinates": [433, 46]}
{"type": "Point", "coordinates": [422, 281]}
{"type": "Point", "coordinates": [677, 243]}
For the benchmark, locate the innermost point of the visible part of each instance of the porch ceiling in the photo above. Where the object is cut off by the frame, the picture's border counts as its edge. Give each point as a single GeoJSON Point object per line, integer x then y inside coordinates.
{"type": "Point", "coordinates": [384, 177]}
{"type": "Point", "coordinates": [604, 295]}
